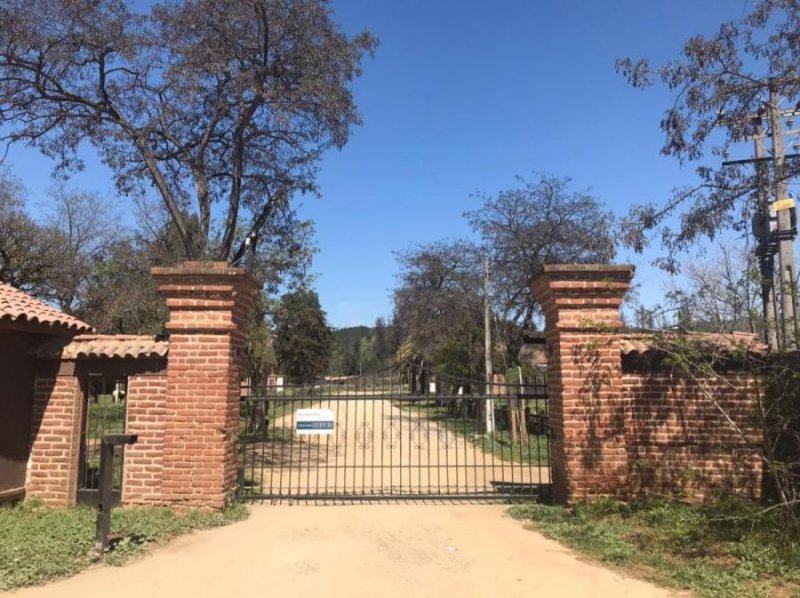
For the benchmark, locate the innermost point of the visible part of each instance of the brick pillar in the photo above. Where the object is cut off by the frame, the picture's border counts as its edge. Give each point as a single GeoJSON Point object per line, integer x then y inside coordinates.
{"type": "Point", "coordinates": [55, 440]}
{"type": "Point", "coordinates": [144, 461]}
{"type": "Point", "coordinates": [584, 377]}
{"type": "Point", "coordinates": [209, 303]}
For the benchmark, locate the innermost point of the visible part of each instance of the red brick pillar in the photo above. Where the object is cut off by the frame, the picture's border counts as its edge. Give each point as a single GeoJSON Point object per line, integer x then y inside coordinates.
{"type": "Point", "coordinates": [584, 377]}
{"type": "Point", "coordinates": [55, 439]}
{"type": "Point", "coordinates": [144, 461]}
{"type": "Point", "coordinates": [209, 303]}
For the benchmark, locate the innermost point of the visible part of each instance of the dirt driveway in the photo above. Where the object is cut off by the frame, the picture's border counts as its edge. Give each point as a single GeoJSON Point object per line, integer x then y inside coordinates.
{"type": "Point", "coordinates": [354, 551]}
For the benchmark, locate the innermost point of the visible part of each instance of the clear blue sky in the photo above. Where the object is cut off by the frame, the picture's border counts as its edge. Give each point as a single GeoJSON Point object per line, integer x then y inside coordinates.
{"type": "Point", "coordinates": [461, 97]}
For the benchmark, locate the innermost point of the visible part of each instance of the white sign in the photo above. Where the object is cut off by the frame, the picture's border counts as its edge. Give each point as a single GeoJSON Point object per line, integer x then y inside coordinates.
{"type": "Point", "coordinates": [314, 421]}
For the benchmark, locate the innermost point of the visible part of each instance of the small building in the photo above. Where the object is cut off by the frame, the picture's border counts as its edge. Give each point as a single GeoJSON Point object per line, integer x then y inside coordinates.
{"type": "Point", "coordinates": [63, 389]}
{"type": "Point", "coordinates": [25, 323]}
{"type": "Point", "coordinates": [53, 369]}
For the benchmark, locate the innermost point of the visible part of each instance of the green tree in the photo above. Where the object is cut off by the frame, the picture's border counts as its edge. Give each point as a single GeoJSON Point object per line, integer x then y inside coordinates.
{"type": "Point", "coordinates": [437, 300]}
{"type": "Point", "coordinates": [303, 339]}
{"type": "Point", "coordinates": [29, 255]}
{"type": "Point", "coordinates": [439, 296]}
{"type": "Point", "coordinates": [223, 107]}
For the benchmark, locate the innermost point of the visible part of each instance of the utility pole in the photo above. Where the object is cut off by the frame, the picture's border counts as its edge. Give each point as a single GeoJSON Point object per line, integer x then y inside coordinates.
{"type": "Point", "coordinates": [765, 251]}
{"type": "Point", "coordinates": [782, 330]}
{"type": "Point", "coordinates": [487, 337]}
{"type": "Point", "coordinates": [785, 232]}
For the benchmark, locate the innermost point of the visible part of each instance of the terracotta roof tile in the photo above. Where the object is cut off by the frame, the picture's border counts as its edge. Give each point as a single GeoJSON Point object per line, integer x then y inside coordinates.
{"type": "Point", "coordinates": [18, 306]}
{"type": "Point", "coordinates": [103, 346]}
{"type": "Point", "coordinates": [643, 342]}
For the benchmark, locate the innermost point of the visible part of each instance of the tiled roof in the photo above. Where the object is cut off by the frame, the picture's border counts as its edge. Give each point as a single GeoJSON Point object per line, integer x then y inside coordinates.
{"type": "Point", "coordinates": [17, 306]}
{"type": "Point", "coordinates": [643, 342]}
{"type": "Point", "coordinates": [105, 346]}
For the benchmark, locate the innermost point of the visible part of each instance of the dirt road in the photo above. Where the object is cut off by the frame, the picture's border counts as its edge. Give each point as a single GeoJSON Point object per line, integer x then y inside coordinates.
{"type": "Point", "coordinates": [354, 551]}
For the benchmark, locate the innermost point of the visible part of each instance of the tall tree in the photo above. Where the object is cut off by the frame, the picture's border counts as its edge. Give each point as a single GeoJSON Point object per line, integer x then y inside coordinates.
{"type": "Point", "coordinates": [29, 254]}
{"type": "Point", "coordinates": [437, 300]}
{"type": "Point", "coordinates": [303, 339]}
{"type": "Point", "coordinates": [209, 102]}
{"type": "Point", "coordinates": [539, 222]}
{"type": "Point", "coordinates": [720, 83]}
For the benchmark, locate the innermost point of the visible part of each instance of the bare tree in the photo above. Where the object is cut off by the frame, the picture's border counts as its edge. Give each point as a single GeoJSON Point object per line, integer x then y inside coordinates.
{"type": "Point", "coordinates": [719, 295]}
{"type": "Point", "coordinates": [210, 102]}
{"type": "Point", "coordinates": [52, 258]}
{"type": "Point", "coordinates": [83, 228]}
{"type": "Point", "coordinates": [521, 229]}
{"type": "Point", "coordinates": [720, 83]}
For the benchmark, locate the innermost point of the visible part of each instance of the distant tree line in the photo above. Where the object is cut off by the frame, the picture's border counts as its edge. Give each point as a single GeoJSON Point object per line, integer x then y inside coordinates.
{"type": "Point", "coordinates": [364, 350]}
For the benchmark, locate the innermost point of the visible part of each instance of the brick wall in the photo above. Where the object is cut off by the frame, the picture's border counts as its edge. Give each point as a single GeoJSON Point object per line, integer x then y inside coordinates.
{"type": "Point", "coordinates": [616, 434]}
{"type": "Point", "coordinates": [55, 440]}
{"type": "Point", "coordinates": [145, 410]}
{"type": "Point", "coordinates": [679, 441]}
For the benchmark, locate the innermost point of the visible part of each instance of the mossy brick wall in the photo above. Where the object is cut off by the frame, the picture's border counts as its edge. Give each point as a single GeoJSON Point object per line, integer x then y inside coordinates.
{"type": "Point", "coordinates": [622, 435]}
{"type": "Point", "coordinates": [680, 442]}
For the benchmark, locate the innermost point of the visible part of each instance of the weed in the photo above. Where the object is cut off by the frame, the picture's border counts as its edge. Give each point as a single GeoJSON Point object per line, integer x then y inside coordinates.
{"type": "Point", "coordinates": [39, 543]}
{"type": "Point", "coordinates": [730, 548]}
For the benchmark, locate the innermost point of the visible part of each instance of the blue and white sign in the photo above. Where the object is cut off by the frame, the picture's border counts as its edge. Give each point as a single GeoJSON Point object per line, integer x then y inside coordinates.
{"type": "Point", "coordinates": [314, 421]}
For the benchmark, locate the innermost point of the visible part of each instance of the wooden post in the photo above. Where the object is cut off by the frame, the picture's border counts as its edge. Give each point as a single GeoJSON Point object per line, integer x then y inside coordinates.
{"type": "Point", "coordinates": [785, 242]}
{"type": "Point", "coordinates": [103, 521]}
{"type": "Point", "coordinates": [487, 346]}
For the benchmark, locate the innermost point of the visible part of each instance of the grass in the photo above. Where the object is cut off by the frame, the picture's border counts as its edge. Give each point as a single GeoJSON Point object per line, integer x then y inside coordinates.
{"type": "Point", "coordinates": [39, 544]}
{"type": "Point", "coordinates": [727, 549]}
{"type": "Point", "coordinates": [105, 417]}
{"type": "Point", "coordinates": [535, 450]}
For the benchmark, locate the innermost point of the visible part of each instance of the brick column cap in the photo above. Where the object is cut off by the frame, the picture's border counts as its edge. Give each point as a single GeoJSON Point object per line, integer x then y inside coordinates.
{"type": "Point", "coordinates": [582, 296]}
{"type": "Point", "coordinates": [205, 295]}
{"type": "Point", "coordinates": [216, 271]}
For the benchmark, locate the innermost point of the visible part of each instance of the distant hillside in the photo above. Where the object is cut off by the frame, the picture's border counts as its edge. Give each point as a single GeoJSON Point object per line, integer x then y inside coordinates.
{"type": "Point", "coordinates": [348, 336]}
{"type": "Point", "coordinates": [363, 349]}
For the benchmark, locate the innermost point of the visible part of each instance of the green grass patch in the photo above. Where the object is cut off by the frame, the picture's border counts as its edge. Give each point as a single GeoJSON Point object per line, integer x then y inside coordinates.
{"type": "Point", "coordinates": [534, 449]}
{"type": "Point", "coordinates": [39, 544]}
{"type": "Point", "coordinates": [105, 417]}
{"type": "Point", "coordinates": [727, 549]}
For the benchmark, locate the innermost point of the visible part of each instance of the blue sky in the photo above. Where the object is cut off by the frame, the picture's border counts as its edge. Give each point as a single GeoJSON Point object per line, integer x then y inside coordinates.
{"type": "Point", "coordinates": [461, 97]}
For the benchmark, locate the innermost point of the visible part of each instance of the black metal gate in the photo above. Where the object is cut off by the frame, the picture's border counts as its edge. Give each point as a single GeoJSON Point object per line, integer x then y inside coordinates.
{"type": "Point", "coordinates": [400, 434]}
{"type": "Point", "coordinates": [103, 413]}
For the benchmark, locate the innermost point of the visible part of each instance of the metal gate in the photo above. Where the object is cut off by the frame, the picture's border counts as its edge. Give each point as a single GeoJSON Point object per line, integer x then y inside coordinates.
{"type": "Point", "coordinates": [103, 413]}
{"type": "Point", "coordinates": [402, 434]}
